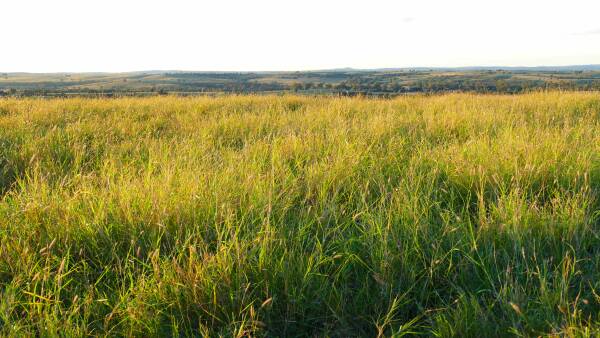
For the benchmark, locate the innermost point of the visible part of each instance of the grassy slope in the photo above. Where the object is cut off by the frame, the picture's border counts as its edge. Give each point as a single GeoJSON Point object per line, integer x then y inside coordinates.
{"type": "Point", "coordinates": [289, 216]}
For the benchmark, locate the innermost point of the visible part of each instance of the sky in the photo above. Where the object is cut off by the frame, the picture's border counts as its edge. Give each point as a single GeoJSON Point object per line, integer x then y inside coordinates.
{"type": "Point", "coordinates": [259, 35]}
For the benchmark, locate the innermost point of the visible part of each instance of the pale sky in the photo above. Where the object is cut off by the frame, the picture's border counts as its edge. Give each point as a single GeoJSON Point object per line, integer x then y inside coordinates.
{"type": "Point", "coordinates": [254, 35]}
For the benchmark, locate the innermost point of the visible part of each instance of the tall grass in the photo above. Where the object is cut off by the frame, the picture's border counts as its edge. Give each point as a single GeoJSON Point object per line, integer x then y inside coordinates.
{"type": "Point", "coordinates": [454, 215]}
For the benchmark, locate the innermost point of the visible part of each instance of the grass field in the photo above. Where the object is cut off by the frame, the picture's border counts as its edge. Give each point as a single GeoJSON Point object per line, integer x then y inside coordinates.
{"type": "Point", "coordinates": [454, 215]}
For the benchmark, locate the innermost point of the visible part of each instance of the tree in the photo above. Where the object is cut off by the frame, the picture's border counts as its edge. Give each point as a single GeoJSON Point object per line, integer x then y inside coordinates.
{"type": "Point", "coordinates": [501, 86]}
{"type": "Point", "coordinates": [296, 86]}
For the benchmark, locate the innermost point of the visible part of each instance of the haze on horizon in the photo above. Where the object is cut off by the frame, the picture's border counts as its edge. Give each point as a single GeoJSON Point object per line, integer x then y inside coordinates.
{"type": "Point", "coordinates": [235, 35]}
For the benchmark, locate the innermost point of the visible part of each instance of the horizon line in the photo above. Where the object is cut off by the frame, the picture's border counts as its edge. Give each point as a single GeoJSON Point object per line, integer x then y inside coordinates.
{"type": "Point", "coordinates": [591, 65]}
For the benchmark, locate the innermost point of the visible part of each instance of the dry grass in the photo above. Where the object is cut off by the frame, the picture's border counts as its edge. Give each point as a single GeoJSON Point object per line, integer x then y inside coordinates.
{"type": "Point", "coordinates": [454, 215]}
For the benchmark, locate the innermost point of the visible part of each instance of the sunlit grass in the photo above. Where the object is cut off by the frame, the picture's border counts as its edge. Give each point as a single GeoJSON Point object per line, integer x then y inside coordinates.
{"type": "Point", "coordinates": [454, 215]}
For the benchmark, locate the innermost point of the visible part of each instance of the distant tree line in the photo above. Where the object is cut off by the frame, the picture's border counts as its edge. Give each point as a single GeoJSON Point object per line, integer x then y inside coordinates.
{"type": "Point", "coordinates": [333, 82]}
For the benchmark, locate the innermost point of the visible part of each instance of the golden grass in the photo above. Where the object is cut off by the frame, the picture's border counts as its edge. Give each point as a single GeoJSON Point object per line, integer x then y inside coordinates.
{"type": "Point", "coordinates": [296, 216]}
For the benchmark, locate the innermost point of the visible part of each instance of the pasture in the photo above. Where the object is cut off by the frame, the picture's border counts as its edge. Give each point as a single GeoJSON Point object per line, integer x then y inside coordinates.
{"type": "Point", "coordinates": [450, 215]}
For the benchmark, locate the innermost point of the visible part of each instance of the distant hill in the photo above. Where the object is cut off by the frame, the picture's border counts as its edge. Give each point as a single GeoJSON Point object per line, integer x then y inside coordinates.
{"type": "Point", "coordinates": [346, 81]}
{"type": "Point", "coordinates": [573, 68]}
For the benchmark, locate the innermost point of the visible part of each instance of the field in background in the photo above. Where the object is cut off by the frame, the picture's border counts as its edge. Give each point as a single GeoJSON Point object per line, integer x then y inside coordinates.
{"type": "Point", "coordinates": [389, 82]}
{"type": "Point", "coordinates": [453, 215]}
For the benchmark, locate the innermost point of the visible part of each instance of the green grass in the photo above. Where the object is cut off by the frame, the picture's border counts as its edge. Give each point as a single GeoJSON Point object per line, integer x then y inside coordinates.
{"type": "Point", "coordinates": [455, 215]}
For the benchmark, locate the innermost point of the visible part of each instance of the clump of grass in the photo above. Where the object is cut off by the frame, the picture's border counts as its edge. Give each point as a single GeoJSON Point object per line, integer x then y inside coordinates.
{"type": "Point", "coordinates": [453, 215]}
